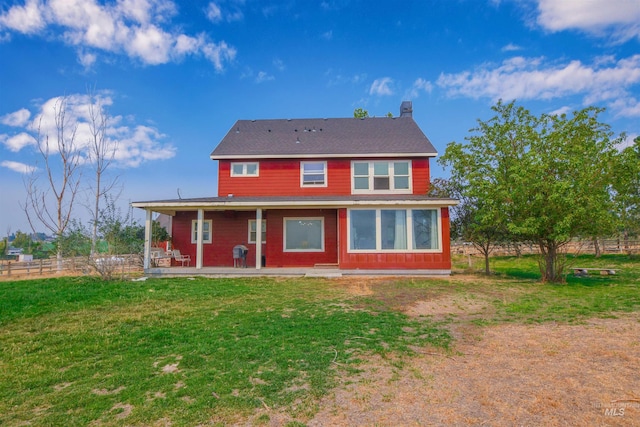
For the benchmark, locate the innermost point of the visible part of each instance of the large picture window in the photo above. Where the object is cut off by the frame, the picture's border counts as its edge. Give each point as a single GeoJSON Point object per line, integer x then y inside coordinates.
{"type": "Point", "coordinates": [381, 176]}
{"type": "Point", "coordinates": [206, 231]}
{"type": "Point", "coordinates": [303, 234]}
{"type": "Point", "coordinates": [394, 230]}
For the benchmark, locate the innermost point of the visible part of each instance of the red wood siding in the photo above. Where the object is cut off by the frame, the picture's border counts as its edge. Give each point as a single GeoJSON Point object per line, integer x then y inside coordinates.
{"type": "Point", "coordinates": [281, 177]}
{"type": "Point", "coordinates": [275, 255]}
{"type": "Point", "coordinates": [409, 260]}
{"type": "Point", "coordinates": [230, 228]}
{"type": "Point", "coordinates": [420, 170]}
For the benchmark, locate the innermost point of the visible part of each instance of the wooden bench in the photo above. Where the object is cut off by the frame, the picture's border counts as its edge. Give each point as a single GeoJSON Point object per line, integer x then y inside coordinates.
{"type": "Point", "coordinates": [582, 271]}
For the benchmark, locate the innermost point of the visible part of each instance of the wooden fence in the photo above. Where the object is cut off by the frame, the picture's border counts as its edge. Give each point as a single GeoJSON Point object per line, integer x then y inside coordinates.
{"type": "Point", "coordinates": [119, 264]}
{"type": "Point", "coordinates": [607, 246]}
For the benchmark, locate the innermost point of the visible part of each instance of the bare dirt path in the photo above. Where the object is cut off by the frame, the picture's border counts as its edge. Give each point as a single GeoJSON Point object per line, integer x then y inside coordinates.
{"type": "Point", "coordinates": [551, 375]}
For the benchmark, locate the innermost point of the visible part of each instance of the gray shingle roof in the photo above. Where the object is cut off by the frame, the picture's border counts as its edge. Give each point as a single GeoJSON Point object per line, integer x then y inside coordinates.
{"type": "Point", "coordinates": [343, 137]}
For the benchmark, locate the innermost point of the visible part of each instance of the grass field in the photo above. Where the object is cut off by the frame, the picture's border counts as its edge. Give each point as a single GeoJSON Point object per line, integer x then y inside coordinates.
{"type": "Point", "coordinates": [189, 351]}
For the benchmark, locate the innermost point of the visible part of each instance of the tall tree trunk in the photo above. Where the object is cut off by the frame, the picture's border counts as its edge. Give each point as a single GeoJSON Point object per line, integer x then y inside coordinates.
{"type": "Point", "coordinates": [596, 247]}
{"type": "Point", "coordinates": [551, 266]}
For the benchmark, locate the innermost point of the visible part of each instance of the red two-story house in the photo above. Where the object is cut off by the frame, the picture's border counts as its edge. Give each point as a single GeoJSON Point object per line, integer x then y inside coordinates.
{"type": "Point", "coordinates": [347, 193]}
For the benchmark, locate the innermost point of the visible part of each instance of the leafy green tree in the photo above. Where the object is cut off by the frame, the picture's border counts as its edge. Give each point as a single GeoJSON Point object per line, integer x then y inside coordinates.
{"type": "Point", "coordinates": [76, 240]}
{"type": "Point", "coordinates": [466, 218]}
{"type": "Point", "coordinates": [360, 113]}
{"type": "Point", "coordinates": [545, 179]}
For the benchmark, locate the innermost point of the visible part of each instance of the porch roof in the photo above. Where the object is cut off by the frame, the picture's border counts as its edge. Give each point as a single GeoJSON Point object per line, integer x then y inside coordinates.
{"type": "Point", "coordinates": [295, 202]}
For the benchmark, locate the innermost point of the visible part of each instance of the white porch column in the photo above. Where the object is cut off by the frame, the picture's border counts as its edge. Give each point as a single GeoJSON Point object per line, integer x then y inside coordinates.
{"type": "Point", "coordinates": [258, 239]}
{"type": "Point", "coordinates": [148, 228]}
{"type": "Point", "coordinates": [199, 240]}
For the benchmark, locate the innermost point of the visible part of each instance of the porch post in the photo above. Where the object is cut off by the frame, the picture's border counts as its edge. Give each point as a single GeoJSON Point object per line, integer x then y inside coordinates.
{"type": "Point", "coordinates": [148, 227]}
{"type": "Point", "coordinates": [199, 240]}
{"type": "Point", "coordinates": [258, 239]}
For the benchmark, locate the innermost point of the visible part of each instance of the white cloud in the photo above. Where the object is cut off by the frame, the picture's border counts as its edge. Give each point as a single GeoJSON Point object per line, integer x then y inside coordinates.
{"type": "Point", "coordinates": [628, 107]}
{"type": "Point", "coordinates": [137, 28]}
{"type": "Point", "coordinates": [534, 78]}
{"type": "Point", "coordinates": [87, 59]}
{"type": "Point", "coordinates": [17, 142]}
{"type": "Point", "coordinates": [264, 77]}
{"type": "Point", "coordinates": [27, 19]}
{"type": "Point", "coordinates": [152, 45]}
{"type": "Point", "coordinates": [17, 118]}
{"type": "Point", "coordinates": [133, 144]}
{"type": "Point", "coordinates": [279, 64]}
{"type": "Point", "coordinates": [629, 141]}
{"type": "Point", "coordinates": [214, 13]}
{"type": "Point", "coordinates": [381, 87]}
{"type": "Point", "coordinates": [17, 166]}
{"type": "Point", "coordinates": [621, 18]}
{"type": "Point", "coordinates": [328, 35]}
{"type": "Point", "coordinates": [231, 12]}
{"type": "Point", "coordinates": [560, 111]}
{"type": "Point", "coordinates": [511, 48]}
{"type": "Point", "coordinates": [419, 85]}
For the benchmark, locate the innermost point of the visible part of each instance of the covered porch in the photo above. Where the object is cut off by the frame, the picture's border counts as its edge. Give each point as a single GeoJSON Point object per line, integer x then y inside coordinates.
{"type": "Point", "coordinates": [299, 236]}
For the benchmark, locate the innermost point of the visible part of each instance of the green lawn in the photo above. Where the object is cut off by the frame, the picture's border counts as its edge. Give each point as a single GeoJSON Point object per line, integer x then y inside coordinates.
{"type": "Point", "coordinates": [76, 351]}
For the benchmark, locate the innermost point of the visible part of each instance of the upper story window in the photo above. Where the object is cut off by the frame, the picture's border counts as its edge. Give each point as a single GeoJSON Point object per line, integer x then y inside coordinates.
{"type": "Point", "coordinates": [313, 174]}
{"type": "Point", "coordinates": [381, 176]}
{"type": "Point", "coordinates": [245, 169]}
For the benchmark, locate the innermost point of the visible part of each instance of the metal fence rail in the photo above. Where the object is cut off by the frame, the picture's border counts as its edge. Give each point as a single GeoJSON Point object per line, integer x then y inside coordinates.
{"type": "Point", "coordinates": [121, 264]}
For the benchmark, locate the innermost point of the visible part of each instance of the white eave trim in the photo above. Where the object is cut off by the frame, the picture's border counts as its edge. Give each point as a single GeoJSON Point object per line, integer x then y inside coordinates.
{"type": "Point", "coordinates": [320, 156]}
{"type": "Point", "coordinates": [289, 204]}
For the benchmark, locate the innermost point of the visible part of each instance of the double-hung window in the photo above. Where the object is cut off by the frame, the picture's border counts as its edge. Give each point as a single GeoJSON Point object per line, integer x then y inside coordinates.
{"type": "Point", "coordinates": [245, 169]}
{"type": "Point", "coordinates": [394, 230]}
{"type": "Point", "coordinates": [253, 231]}
{"type": "Point", "coordinates": [381, 176]}
{"type": "Point", "coordinates": [206, 231]}
{"type": "Point", "coordinates": [313, 174]}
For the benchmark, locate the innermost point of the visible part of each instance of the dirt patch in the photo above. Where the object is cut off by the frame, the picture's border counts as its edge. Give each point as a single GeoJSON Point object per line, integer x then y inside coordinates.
{"type": "Point", "coordinates": [510, 375]}
{"type": "Point", "coordinates": [123, 410]}
{"type": "Point", "coordinates": [106, 392]}
{"type": "Point", "coordinates": [441, 307]}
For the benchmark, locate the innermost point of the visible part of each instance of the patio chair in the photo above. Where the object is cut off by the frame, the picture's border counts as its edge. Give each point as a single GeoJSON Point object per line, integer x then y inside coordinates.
{"type": "Point", "coordinates": [181, 258]}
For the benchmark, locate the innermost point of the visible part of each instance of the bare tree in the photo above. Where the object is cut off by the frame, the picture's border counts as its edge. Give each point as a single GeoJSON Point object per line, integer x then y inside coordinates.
{"type": "Point", "coordinates": [101, 153]}
{"type": "Point", "coordinates": [52, 203]}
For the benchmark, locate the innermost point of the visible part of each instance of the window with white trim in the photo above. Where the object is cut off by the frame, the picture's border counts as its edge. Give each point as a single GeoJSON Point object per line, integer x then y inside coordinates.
{"type": "Point", "coordinates": [245, 169]}
{"type": "Point", "coordinates": [206, 231]}
{"type": "Point", "coordinates": [381, 176]}
{"type": "Point", "coordinates": [313, 174]}
{"type": "Point", "coordinates": [253, 231]}
{"type": "Point", "coordinates": [394, 230]}
{"type": "Point", "coordinates": [303, 235]}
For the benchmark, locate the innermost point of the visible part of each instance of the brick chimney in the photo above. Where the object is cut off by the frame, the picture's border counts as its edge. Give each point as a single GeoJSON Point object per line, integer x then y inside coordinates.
{"type": "Point", "coordinates": [406, 109]}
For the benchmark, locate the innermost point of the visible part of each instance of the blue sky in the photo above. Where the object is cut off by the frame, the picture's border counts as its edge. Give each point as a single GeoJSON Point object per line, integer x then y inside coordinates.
{"type": "Point", "coordinates": [174, 76]}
